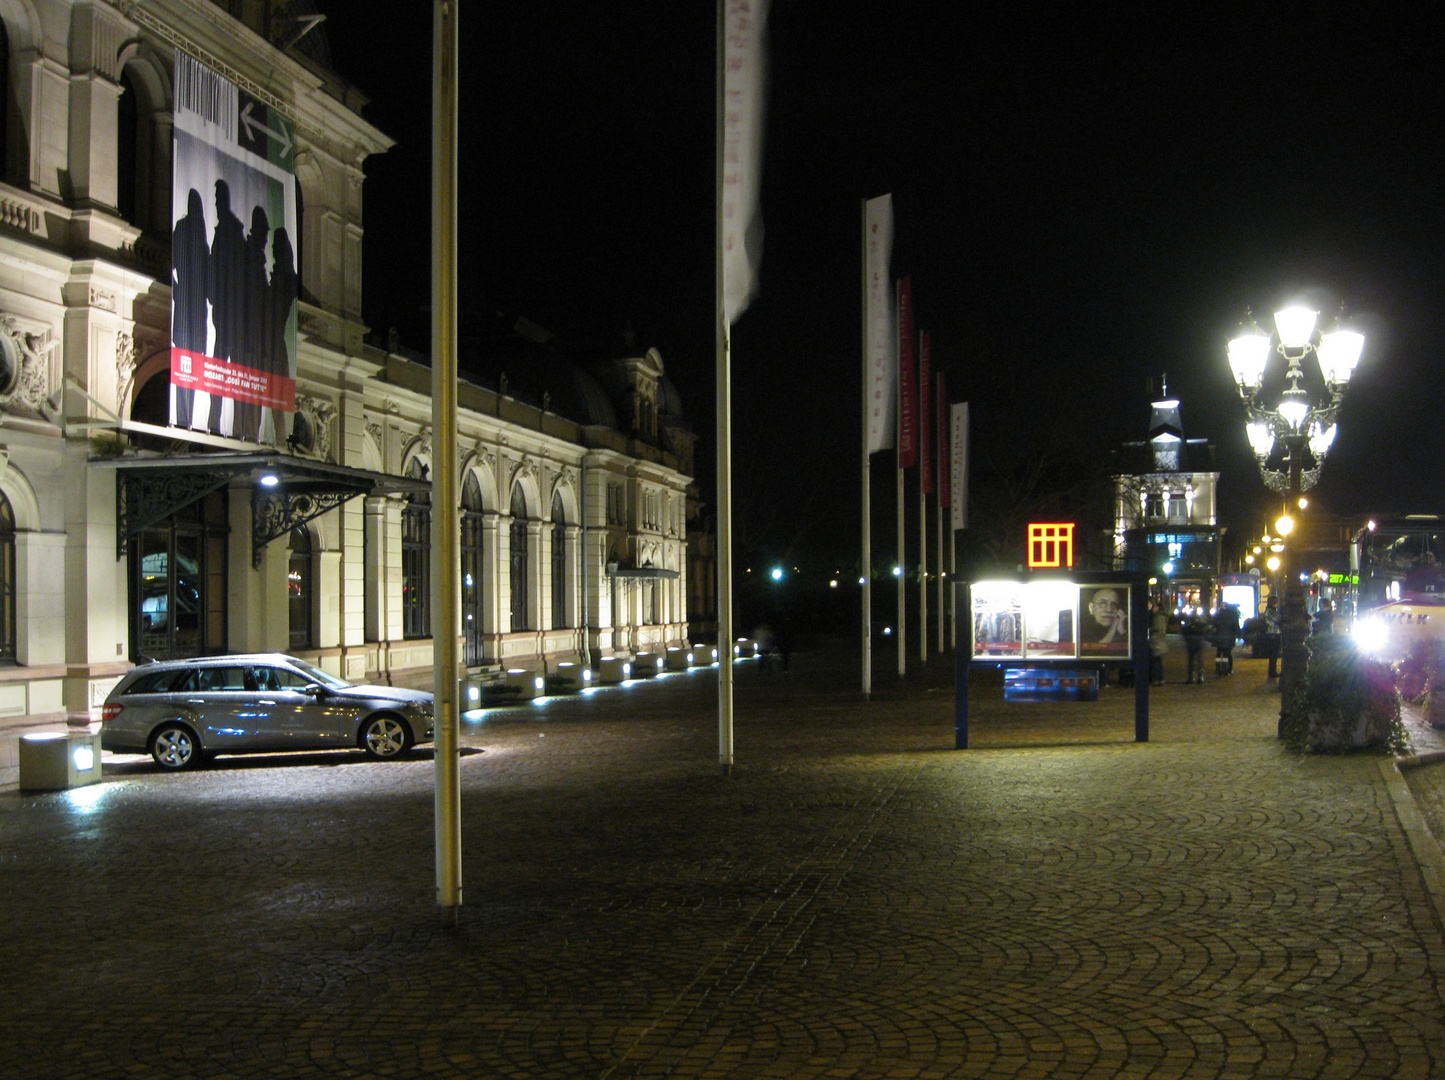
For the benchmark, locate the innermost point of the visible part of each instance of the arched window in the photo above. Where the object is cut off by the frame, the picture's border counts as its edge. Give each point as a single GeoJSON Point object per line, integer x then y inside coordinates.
{"type": "Point", "coordinates": [559, 563]}
{"type": "Point", "coordinates": [519, 560]}
{"type": "Point", "coordinates": [142, 149]}
{"type": "Point", "coordinates": [416, 560]}
{"type": "Point", "coordinates": [472, 554]}
{"type": "Point", "coordinates": [9, 639]}
{"type": "Point", "coordinates": [300, 588]}
{"type": "Point", "coordinates": [127, 150]}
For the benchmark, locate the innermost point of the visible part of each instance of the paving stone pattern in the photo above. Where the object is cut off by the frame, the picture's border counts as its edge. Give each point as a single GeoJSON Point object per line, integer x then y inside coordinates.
{"type": "Point", "coordinates": [857, 899]}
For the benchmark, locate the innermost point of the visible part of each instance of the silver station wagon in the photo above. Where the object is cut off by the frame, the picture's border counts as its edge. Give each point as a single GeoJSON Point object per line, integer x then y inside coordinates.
{"type": "Point", "coordinates": [183, 711]}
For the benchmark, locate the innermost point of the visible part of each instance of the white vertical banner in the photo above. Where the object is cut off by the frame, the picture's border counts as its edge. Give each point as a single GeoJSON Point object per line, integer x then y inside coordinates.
{"type": "Point", "coordinates": [744, 69]}
{"type": "Point", "coordinates": [958, 465]}
{"type": "Point", "coordinates": [881, 359]}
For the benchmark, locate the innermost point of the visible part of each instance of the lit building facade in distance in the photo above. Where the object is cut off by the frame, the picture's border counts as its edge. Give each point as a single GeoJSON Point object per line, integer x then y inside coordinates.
{"type": "Point", "coordinates": [1164, 510]}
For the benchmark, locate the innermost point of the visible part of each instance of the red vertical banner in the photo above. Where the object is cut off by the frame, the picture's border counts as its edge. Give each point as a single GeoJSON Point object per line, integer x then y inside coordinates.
{"type": "Point", "coordinates": [907, 383]}
{"type": "Point", "coordinates": [925, 451]}
{"type": "Point", "coordinates": [944, 488]}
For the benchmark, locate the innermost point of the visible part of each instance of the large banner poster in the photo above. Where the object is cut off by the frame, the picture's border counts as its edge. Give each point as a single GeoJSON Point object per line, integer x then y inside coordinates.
{"type": "Point", "coordinates": [233, 252]}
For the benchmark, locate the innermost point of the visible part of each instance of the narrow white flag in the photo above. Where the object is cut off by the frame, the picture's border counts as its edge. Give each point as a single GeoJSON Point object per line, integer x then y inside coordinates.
{"type": "Point", "coordinates": [958, 465]}
{"type": "Point", "coordinates": [744, 69]}
{"type": "Point", "coordinates": [879, 334]}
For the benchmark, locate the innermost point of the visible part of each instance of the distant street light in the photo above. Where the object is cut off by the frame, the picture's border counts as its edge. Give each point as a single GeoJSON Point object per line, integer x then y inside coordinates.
{"type": "Point", "coordinates": [1291, 424]}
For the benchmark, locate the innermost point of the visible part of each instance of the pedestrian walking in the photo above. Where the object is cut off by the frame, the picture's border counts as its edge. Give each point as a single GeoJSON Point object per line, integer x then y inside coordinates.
{"type": "Point", "coordinates": [1226, 633]}
{"type": "Point", "coordinates": [1271, 635]}
{"type": "Point", "coordinates": [1196, 631]}
{"type": "Point", "coordinates": [1158, 642]}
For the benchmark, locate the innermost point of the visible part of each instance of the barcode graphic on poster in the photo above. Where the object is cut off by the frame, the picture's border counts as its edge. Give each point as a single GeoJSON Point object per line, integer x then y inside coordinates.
{"type": "Point", "coordinates": [206, 93]}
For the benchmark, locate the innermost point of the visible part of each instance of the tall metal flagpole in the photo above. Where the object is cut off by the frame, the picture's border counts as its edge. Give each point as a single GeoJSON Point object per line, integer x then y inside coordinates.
{"type": "Point", "coordinates": [741, 62]}
{"type": "Point", "coordinates": [952, 574]}
{"type": "Point", "coordinates": [940, 444]}
{"type": "Point", "coordinates": [446, 496]}
{"type": "Point", "coordinates": [923, 362]}
{"type": "Point", "coordinates": [724, 443]}
{"type": "Point", "coordinates": [901, 568]}
{"type": "Point", "coordinates": [922, 561]}
{"type": "Point", "coordinates": [866, 573]}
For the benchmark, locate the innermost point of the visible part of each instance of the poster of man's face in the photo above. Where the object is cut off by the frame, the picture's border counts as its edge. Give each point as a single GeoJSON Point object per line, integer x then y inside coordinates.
{"type": "Point", "coordinates": [1104, 620]}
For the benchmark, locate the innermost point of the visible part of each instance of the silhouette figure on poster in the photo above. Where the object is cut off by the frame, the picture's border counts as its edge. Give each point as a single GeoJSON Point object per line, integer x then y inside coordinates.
{"type": "Point", "coordinates": [227, 289]}
{"type": "Point", "coordinates": [281, 302]}
{"type": "Point", "coordinates": [190, 288]}
{"type": "Point", "coordinates": [252, 331]}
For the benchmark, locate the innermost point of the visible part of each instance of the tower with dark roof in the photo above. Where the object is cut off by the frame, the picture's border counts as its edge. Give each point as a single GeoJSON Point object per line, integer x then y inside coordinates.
{"type": "Point", "coordinates": [1164, 507]}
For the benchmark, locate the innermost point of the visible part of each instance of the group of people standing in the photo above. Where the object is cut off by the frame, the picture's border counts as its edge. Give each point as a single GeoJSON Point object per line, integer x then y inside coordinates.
{"type": "Point", "coordinates": [1221, 629]}
{"type": "Point", "coordinates": [224, 281]}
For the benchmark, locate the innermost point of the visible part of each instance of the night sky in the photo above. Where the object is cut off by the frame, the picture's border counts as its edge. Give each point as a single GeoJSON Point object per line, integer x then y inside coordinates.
{"type": "Point", "coordinates": [1083, 200]}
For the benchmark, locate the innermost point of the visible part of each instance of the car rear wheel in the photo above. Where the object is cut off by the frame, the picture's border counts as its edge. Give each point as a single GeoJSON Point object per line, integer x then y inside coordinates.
{"type": "Point", "coordinates": [173, 746]}
{"type": "Point", "coordinates": [385, 737]}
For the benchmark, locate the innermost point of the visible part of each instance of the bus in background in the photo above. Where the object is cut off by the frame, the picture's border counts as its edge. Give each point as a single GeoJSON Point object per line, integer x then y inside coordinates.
{"type": "Point", "coordinates": [1398, 566]}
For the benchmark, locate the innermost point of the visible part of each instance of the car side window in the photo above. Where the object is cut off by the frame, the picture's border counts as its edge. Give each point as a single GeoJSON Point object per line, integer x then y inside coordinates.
{"type": "Point", "coordinates": [152, 682]}
{"type": "Point", "coordinates": [290, 680]}
{"type": "Point", "coordinates": [223, 678]}
{"type": "Point", "coordinates": [165, 681]}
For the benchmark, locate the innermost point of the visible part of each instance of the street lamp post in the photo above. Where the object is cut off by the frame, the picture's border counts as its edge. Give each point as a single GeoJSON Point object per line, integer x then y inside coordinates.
{"type": "Point", "coordinates": [1291, 411]}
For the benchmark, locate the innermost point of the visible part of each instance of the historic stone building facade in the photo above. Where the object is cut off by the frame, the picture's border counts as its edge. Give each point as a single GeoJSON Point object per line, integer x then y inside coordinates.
{"type": "Point", "coordinates": [123, 538]}
{"type": "Point", "coordinates": [1165, 521]}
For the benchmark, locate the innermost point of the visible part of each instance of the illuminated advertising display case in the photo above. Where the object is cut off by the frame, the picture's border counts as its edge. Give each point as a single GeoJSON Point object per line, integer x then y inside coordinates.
{"type": "Point", "coordinates": [1050, 619]}
{"type": "Point", "coordinates": [1056, 638]}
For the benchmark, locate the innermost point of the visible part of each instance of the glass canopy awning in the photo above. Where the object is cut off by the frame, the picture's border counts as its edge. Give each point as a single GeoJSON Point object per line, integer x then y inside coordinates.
{"type": "Point", "coordinates": [286, 491]}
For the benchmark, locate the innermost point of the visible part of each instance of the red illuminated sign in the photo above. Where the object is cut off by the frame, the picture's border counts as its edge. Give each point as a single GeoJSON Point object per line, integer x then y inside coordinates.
{"type": "Point", "coordinates": [1051, 546]}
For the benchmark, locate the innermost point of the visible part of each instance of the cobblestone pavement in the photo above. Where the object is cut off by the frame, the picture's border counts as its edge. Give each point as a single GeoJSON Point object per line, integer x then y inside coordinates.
{"type": "Point", "coordinates": [857, 899]}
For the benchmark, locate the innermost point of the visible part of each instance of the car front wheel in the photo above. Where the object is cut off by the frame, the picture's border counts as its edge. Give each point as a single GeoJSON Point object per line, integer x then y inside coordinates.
{"type": "Point", "coordinates": [385, 737]}
{"type": "Point", "coordinates": [173, 746]}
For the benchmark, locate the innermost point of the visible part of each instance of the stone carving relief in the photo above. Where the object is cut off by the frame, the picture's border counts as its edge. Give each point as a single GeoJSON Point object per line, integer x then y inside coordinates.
{"type": "Point", "coordinates": [124, 371]}
{"type": "Point", "coordinates": [526, 467]}
{"type": "Point", "coordinates": [319, 415]}
{"type": "Point", "coordinates": [25, 375]}
{"type": "Point", "coordinates": [483, 454]}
